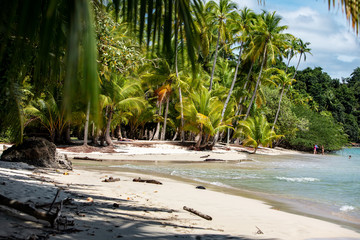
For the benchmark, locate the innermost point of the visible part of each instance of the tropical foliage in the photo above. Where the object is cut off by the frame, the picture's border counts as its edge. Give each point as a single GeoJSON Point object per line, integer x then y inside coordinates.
{"type": "Point", "coordinates": [205, 72]}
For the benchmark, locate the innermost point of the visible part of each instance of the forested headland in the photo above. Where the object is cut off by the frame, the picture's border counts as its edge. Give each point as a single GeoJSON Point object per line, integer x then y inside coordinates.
{"type": "Point", "coordinates": [196, 71]}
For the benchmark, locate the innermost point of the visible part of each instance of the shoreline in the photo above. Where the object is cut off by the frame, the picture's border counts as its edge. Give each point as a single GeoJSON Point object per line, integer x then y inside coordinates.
{"type": "Point", "coordinates": [148, 211]}
{"type": "Point", "coordinates": [281, 203]}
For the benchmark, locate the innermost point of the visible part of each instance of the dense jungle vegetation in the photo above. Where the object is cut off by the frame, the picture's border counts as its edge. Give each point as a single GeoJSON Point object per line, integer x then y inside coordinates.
{"type": "Point", "coordinates": [166, 70]}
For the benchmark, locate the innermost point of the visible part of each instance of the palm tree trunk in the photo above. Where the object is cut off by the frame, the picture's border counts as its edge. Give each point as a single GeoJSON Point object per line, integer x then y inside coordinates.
{"type": "Point", "coordinates": [287, 66]}
{"type": "Point", "coordinates": [86, 128]}
{"type": "Point", "coordinates": [119, 132]}
{"type": "Point", "coordinates": [198, 143]}
{"type": "Point", "coordinates": [278, 110]}
{"type": "Point", "coordinates": [230, 92]}
{"type": "Point", "coordinates": [157, 132]}
{"type": "Point", "coordinates": [257, 84]}
{"type": "Point", "coordinates": [182, 135]}
{"type": "Point", "coordinates": [213, 67]}
{"type": "Point", "coordinates": [162, 138]}
{"type": "Point", "coordinates": [107, 131]}
{"type": "Point", "coordinates": [297, 66]}
{"type": "Point", "coordinates": [175, 135]}
{"type": "Point", "coordinates": [240, 106]}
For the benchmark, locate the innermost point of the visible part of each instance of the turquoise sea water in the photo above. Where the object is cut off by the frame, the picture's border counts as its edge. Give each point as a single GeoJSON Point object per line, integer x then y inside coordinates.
{"type": "Point", "coordinates": [328, 186]}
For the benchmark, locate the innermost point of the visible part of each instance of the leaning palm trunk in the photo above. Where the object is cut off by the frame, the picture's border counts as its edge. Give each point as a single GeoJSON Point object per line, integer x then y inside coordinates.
{"type": "Point", "coordinates": [198, 143]}
{"type": "Point", "coordinates": [213, 67]}
{"type": "Point", "coordinates": [163, 133]}
{"type": "Point", "coordinates": [107, 131]}
{"type": "Point", "coordinates": [182, 135]}
{"type": "Point", "coordinates": [257, 84]}
{"type": "Point", "coordinates": [243, 99]}
{"type": "Point", "coordinates": [278, 110]}
{"type": "Point", "coordinates": [86, 128]}
{"type": "Point", "coordinates": [157, 132]}
{"type": "Point", "coordinates": [230, 92]}
{"type": "Point", "coordinates": [297, 66]}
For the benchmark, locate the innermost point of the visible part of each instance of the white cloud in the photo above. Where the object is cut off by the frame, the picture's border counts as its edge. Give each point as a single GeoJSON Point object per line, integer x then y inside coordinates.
{"type": "Point", "coordinates": [334, 45]}
{"type": "Point", "coordinates": [346, 58]}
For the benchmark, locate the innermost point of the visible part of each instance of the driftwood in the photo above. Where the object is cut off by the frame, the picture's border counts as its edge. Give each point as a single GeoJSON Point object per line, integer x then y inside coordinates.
{"type": "Point", "coordinates": [213, 160]}
{"type": "Point", "coordinates": [146, 181]}
{"type": "Point", "coordinates": [111, 179]}
{"type": "Point", "coordinates": [259, 231]}
{"type": "Point", "coordinates": [207, 217]}
{"type": "Point", "coordinates": [28, 209]}
{"type": "Point", "coordinates": [87, 158]}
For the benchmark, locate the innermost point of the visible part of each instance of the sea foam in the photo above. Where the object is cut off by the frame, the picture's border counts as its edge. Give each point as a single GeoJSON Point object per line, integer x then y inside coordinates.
{"type": "Point", "coordinates": [304, 179]}
{"type": "Point", "coordinates": [346, 208]}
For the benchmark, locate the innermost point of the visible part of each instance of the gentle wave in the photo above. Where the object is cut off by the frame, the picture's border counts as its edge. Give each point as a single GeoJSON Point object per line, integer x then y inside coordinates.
{"type": "Point", "coordinates": [347, 208]}
{"type": "Point", "coordinates": [304, 179]}
{"type": "Point", "coordinates": [219, 184]}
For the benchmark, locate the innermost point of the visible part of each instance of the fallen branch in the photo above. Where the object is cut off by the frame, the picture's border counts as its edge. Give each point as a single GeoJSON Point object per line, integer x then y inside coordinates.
{"type": "Point", "coordinates": [26, 208]}
{"type": "Point", "coordinates": [207, 217]}
{"type": "Point", "coordinates": [146, 181]}
{"type": "Point", "coordinates": [66, 201]}
{"type": "Point", "coordinates": [87, 158]}
{"type": "Point", "coordinates": [259, 231]}
{"type": "Point", "coordinates": [52, 204]}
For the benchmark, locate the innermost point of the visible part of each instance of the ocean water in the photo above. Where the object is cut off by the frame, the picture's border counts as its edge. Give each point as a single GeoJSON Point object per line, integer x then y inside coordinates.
{"type": "Point", "coordinates": [327, 186]}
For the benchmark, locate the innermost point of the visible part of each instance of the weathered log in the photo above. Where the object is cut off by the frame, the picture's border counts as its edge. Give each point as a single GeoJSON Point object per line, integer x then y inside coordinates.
{"type": "Point", "coordinates": [111, 179]}
{"type": "Point", "coordinates": [207, 217]}
{"type": "Point", "coordinates": [26, 208]}
{"type": "Point", "coordinates": [146, 181]}
{"type": "Point", "coordinates": [88, 158]}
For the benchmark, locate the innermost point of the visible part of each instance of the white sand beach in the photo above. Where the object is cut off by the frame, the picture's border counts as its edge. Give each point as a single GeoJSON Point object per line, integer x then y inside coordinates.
{"type": "Point", "coordinates": [137, 210]}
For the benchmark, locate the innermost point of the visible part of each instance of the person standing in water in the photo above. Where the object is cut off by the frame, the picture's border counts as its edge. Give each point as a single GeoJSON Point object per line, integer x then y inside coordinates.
{"type": "Point", "coordinates": [322, 149]}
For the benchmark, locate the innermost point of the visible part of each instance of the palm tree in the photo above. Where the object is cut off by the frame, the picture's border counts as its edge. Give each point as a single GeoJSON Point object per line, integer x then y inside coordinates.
{"type": "Point", "coordinates": [60, 35]}
{"type": "Point", "coordinates": [268, 39]}
{"type": "Point", "coordinates": [291, 51]}
{"type": "Point", "coordinates": [302, 48]}
{"type": "Point", "coordinates": [202, 114]}
{"type": "Point", "coordinates": [243, 26]}
{"type": "Point", "coordinates": [221, 14]}
{"type": "Point", "coordinates": [119, 95]}
{"type": "Point", "coordinates": [283, 79]}
{"type": "Point", "coordinates": [49, 113]}
{"type": "Point", "coordinates": [257, 132]}
{"type": "Point", "coordinates": [40, 40]}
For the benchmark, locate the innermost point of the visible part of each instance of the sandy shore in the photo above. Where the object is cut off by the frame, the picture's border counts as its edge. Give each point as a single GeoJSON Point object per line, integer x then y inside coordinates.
{"type": "Point", "coordinates": [134, 210]}
{"type": "Point", "coordinates": [169, 151]}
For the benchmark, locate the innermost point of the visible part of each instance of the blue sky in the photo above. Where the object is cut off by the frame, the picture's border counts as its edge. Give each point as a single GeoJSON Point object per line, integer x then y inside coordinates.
{"type": "Point", "coordinates": [334, 45]}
